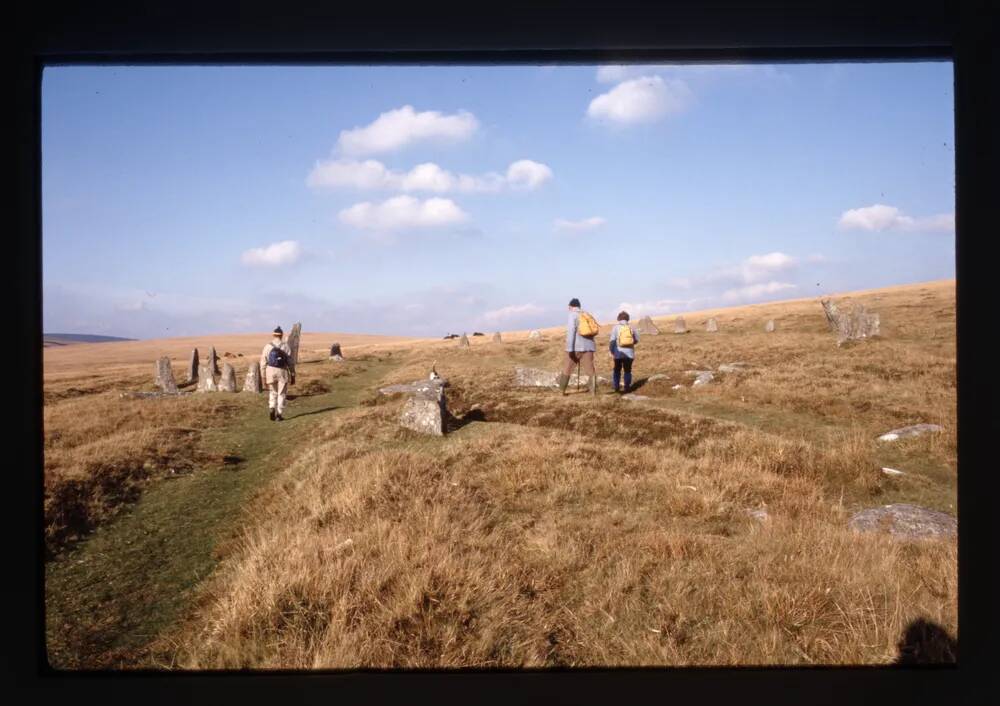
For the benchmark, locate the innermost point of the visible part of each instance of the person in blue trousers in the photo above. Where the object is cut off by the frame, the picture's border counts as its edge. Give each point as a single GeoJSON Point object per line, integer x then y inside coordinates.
{"type": "Point", "coordinates": [623, 355]}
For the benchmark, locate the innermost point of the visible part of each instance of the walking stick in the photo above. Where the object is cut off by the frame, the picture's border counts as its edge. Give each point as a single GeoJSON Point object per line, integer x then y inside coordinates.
{"type": "Point", "coordinates": [578, 376]}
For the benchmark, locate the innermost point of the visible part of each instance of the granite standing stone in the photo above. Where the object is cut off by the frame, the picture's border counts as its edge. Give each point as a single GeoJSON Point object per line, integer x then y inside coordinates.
{"type": "Point", "coordinates": [213, 359]}
{"type": "Point", "coordinates": [535, 335]}
{"type": "Point", "coordinates": [206, 378]}
{"type": "Point", "coordinates": [293, 342]}
{"type": "Point", "coordinates": [252, 382]}
{"type": "Point", "coordinates": [679, 325]}
{"type": "Point", "coordinates": [165, 375]}
{"type": "Point", "coordinates": [906, 521]}
{"type": "Point", "coordinates": [228, 381]}
{"type": "Point", "coordinates": [712, 325]}
{"type": "Point", "coordinates": [335, 353]}
{"type": "Point", "coordinates": [463, 341]}
{"type": "Point", "coordinates": [769, 326]}
{"type": "Point", "coordinates": [856, 325]}
{"type": "Point", "coordinates": [647, 327]}
{"type": "Point", "coordinates": [193, 367]}
{"type": "Point", "coordinates": [496, 337]}
{"type": "Point", "coordinates": [426, 410]}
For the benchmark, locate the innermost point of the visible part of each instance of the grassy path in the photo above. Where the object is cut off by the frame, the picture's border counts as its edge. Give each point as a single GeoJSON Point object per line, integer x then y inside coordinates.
{"type": "Point", "coordinates": [113, 593]}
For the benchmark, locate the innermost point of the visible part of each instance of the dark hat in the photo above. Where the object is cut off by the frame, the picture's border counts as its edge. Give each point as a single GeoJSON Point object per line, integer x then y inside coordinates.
{"type": "Point", "coordinates": [278, 331]}
{"type": "Point", "coordinates": [623, 316]}
{"type": "Point", "coordinates": [574, 302]}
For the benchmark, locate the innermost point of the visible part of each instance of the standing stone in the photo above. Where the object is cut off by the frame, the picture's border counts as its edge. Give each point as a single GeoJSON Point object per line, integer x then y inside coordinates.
{"type": "Point", "coordinates": [679, 325]}
{"type": "Point", "coordinates": [426, 411]}
{"type": "Point", "coordinates": [496, 337]}
{"type": "Point", "coordinates": [252, 382]}
{"type": "Point", "coordinates": [335, 353]}
{"type": "Point", "coordinates": [856, 325]}
{"type": "Point", "coordinates": [193, 367]}
{"type": "Point", "coordinates": [463, 341]}
{"type": "Point", "coordinates": [165, 375]}
{"type": "Point", "coordinates": [213, 359]}
{"type": "Point", "coordinates": [228, 381]}
{"type": "Point", "coordinates": [769, 326]}
{"type": "Point", "coordinates": [206, 378]}
{"type": "Point", "coordinates": [712, 326]}
{"type": "Point", "coordinates": [293, 343]}
{"type": "Point", "coordinates": [647, 327]}
{"type": "Point", "coordinates": [832, 314]}
{"type": "Point", "coordinates": [535, 335]}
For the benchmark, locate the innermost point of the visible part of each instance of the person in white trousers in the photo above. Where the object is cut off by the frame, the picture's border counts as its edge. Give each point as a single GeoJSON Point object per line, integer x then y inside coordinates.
{"type": "Point", "coordinates": [279, 372]}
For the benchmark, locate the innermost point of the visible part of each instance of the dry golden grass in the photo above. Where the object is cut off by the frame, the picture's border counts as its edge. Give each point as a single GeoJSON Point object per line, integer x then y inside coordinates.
{"type": "Point", "coordinates": [578, 531]}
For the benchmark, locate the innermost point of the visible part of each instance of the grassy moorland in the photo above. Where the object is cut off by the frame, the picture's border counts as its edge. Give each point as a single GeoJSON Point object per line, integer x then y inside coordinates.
{"type": "Point", "coordinates": [542, 530]}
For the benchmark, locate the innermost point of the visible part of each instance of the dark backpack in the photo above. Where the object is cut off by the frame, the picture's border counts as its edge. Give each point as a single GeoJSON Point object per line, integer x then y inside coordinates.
{"type": "Point", "coordinates": [277, 358]}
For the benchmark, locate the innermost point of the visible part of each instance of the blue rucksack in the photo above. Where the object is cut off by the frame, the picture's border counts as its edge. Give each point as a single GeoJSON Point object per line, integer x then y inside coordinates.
{"type": "Point", "coordinates": [277, 358]}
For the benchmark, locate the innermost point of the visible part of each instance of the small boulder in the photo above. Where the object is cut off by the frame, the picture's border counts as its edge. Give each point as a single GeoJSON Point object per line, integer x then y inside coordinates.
{"type": "Point", "coordinates": [703, 378]}
{"type": "Point", "coordinates": [679, 325]}
{"type": "Point", "coordinates": [535, 335]}
{"type": "Point", "coordinates": [647, 327]}
{"type": "Point", "coordinates": [657, 376]}
{"type": "Point", "coordinates": [769, 326]}
{"type": "Point", "coordinates": [496, 337]}
{"type": "Point", "coordinates": [737, 367]}
{"type": "Point", "coordinates": [425, 411]}
{"type": "Point", "coordinates": [712, 326]}
{"type": "Point", "coordinates": [905, 521]}
{"type": "Point", "coordinates": [914, 430]}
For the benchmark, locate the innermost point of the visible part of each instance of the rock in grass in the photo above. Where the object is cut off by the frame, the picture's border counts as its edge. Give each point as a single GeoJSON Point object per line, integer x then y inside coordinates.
{"type": "Point", "coordinates": [712, 326]}
{"type": "Point", "coordinates": [426, 411]}
{"type": "Point", "coordinates": [657, 376]}
{"type": "Point", "coordinates": [647, 327]}
{"type": "Point", "coordinates": [633, 396]}
{"type": "Point", "coordinates": [165, 375]}
{"type": "Point", "coordinates": [535, 335]}
{"type": "Point", "coordinates": [214, 360]}
{"type": "Point", "coordinates": [737, 367]}
{"type": "Point", "coordinates": [463, 341]}
{"type": "Point", "coordinates": [769, 326]}
{"type": "Point", "coordinates": [228, 381]}
{"type": "Point", "coordinates": [760, 515]}
{"type": "Point", "coordinates": [496, 337]}
{"type": "Point", "coordinates": [252, 383]}
{"type": "Point", "coordinates": [532, 377]}
{"type": "Point", "coordinates": [192, 373]}
{"type": "Point", "coordinates": [335, 353]}
{"type": "Point", "coordinates": [206, 378]}
{"type": "Point", "coordinates": [679, 325]}
{"type": "Point", "coordinates": [914, 430]}
{"type": "Point", "coordinates": [905, 521]}
{"type": "Point", "coordinates": [703, 378]}
{"type": "Point", "coordinates": [857, 325]}
{"type": "Point", "coordinates": [293, 342]}
{"type": "Point", "coordinates": [892, 472]}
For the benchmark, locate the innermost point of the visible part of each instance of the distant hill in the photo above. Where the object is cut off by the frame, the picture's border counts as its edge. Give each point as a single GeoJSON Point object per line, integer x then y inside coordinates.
{"type": "Point", "coordinates": [66, 339]}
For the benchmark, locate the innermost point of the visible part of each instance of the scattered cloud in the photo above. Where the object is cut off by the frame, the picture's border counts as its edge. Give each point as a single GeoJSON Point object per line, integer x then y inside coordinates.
{"type": "Point", "coordinates": [403, 212]}
{"type": "Point", "coordinates": [371, 174]}
{"type": "Point", "coordinates": [641, 100]}
{"type": "Point", "coordinates": [396, 129]}
{"type": "Point", "coordinates": [880, 217]}
{"type": "Point", "coordinates": [585, 224]}
{"type": "Point", "coordinates": [286, 252]}
{"type": "Point", "coordinates": [755, 291]}
{"type": "Point", "coordinates": [506, 313]}
{"type": "Point", "coordinates": [656, 307]}
{"type": "Point", "coordinates": [753, 270]}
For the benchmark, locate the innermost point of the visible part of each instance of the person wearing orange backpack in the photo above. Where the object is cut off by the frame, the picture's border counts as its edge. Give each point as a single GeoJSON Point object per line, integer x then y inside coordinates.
{"type": "Point", "coordinates": [622, 347]}
{"type": "Point", "coordinates": [581, 328]}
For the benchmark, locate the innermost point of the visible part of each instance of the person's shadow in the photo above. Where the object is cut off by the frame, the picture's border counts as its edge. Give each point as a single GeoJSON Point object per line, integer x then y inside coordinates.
{"type": "Point", "coordinates": [924, 642]}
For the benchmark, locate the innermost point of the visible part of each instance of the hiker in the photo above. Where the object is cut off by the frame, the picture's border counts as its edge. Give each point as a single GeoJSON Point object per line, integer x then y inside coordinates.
{"type": "Point", "coordinates": [622, 347]}
{"type": "Point", "coordinates": [279, 373]}
{"type": "Point", "coordinates": [580, 347]}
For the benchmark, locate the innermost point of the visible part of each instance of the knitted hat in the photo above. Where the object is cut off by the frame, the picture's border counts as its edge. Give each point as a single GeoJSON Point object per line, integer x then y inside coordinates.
{"type": "Point", "coordinates": [623, 316]}
{"type": "Point", "coordinates": [278, 331]}
{"type": "Point", "coordinates": [574, 302]}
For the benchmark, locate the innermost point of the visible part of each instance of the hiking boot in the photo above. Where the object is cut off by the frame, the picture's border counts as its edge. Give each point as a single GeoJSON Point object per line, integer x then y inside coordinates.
{"type": "Point", "coordinates": [272, 414]}
{"type": "Point", "coordinates": [563, 381]}
{"type": "Point", "coordinates": [279, 418]}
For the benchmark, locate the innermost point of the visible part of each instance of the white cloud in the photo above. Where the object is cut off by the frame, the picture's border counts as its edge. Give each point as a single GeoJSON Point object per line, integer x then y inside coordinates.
{"type": "Point", "coordinates": [585, 224]}
{"type": "Point", "coordinates": [880, 217]}
{"type": "Point", "coordinates": [753, 270]}
{"type": "Point", "coordinates": [371, 174]}
{"type": "Point", "coordinates": [402, 212]}
{"type": "Point", "coordinates": [398, 128]}
{"type": "Point", "coordinates": [754, 291]}
{"type": "Point", "coordinates": [654, 307]}
{"type": "Point", "coordinates": [286, 252]}
{"type": "Point", "coordinates": [641, 100]}
{"type": "Point", "coordinates": [509, 312]}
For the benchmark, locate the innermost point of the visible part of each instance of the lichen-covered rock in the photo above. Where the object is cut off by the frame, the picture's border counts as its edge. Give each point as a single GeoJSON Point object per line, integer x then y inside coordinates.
{"type": "Point", "coordinates": [702, 377]}
{"type": "Point", "coordinates": [252, 383]}
{"type": "Point", "coordinates": [165, 375]}
{"type": "Point", "coordinates": [679, 325]}
{"type": "Point", "coordinates": [293, 342]}
{"type": "Point", "coordinates": [532, 377]}
{"type": "Point", "coordinates": [857, 325]}
{"type": "Point", "coordinates": [206, 378]}
{"type": "Point", "coordinates": [914, 430]}
{"type": "Point", "coordinates": [228, 381]}
{"type": "Point", "coordinates": [712, 326]}
{"type": "Point", "coordinates": [425, 411]}
{"type": "Point", "coordinates": [657, 376]}
{"type": "Point", "coordinates": [906, 521]}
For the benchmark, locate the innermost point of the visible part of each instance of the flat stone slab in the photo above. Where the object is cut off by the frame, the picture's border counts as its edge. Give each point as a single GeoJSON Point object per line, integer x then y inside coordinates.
{"type": "Point", "coordinates": [151, 395]}
{"type": "Point", "coordinates": [914, 430]}
{"type": "Point", "coordinates": [433, 389]}
{"type": "Point", "coordinates": [657, 376]}
{"type": "Point", "coordinates": [906, 521]}
{"type": "Point", "coordinates": [532, 377]}
{"type": "Point", "coordinates": [703, 378]}
{"type": "Point", "coordinates": [633, 396]}
{"type": "Point", "coordinates": [535, 336]}
{"type": "Point", "coordinates": [712, 326]}
{"type": "Point", "coordinates": [892, 472]}
{"type": "Point", "coordinates": [737, 367]}
{"type": "Point", "coordinates": [423, 415]}
{"type": "Point", "coordinates": [760, 515]}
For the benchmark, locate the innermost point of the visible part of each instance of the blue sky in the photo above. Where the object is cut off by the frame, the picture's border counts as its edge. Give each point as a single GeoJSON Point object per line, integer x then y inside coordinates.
{"type": "Point", "coordinates": [424, 200]}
